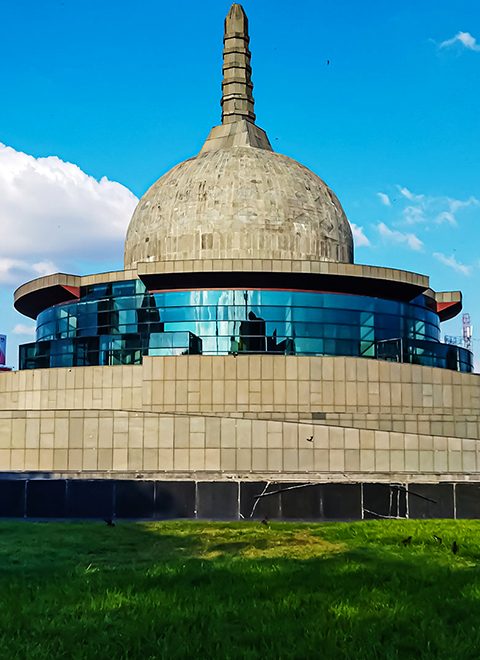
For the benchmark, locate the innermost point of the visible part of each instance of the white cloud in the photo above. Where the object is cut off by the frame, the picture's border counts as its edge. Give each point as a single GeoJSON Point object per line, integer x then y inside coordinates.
{"type": "Point", "coordinates": [52, 210]}
{"type": "Point", "coordinates": [359, 237]}
{"type": "Point", "coordinates": [452, 207]}
{"type": "Point", "coordinates": [24, 330]}
{"type": "Point", "coordinates": [44, 268]}
{"type": "Point", "coordinates": [413, 215]}
{"type": "Point", "coordinates": [384, 198]}
{"type": "Point", "coordinates": [462, 38]}
{"type": "Point", "coordinates": [446, 217]}
{"type": "Point", "coordinates": [405, 192]}
{"type": "Point", "coordinates": [421, 209]}
{"type": "Point", "coordinates": [394, 236]}
{"type": "Point", "coordinates": [457, 204]}
{"type": "Point", "coordinates": [13, 271]}
{"type": "Point", "coordinates": [451, 262]}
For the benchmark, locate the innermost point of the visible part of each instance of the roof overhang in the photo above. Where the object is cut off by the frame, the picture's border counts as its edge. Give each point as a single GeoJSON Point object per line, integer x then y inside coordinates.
{"type": "Point", "coordinates": [365, 286]}
{"type": "Point", "coordinates": [355, 279]}
{"type": "Point", "coordinates": [449, 304]}
{"type": "Point", "coordinates": [35, 296]}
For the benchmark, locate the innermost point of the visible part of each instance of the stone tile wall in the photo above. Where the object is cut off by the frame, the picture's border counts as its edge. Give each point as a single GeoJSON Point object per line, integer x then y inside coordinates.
{"type": "Point", "coordinates": [118, 441]}
{"type": "Point", "coordinates": [248, 384]}
{"type": "Point", "coordinates": [257, 416]}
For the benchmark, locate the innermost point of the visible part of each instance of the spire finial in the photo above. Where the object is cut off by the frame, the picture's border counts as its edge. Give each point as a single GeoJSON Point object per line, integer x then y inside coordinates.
{"type": "Point", "coordinates": [237, 98]}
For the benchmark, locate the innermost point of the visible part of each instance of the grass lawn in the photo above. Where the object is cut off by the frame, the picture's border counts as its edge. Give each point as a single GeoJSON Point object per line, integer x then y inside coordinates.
{"type": "Point", "coordinates": [239, 590]}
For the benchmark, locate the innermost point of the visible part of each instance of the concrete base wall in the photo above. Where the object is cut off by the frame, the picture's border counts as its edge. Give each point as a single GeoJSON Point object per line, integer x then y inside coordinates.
{"type": "Point", "coordinates": [272, 418]}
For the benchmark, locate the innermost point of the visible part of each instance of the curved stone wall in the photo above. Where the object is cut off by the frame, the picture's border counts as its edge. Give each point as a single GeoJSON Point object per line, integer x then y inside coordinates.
{"type": "Point", "coordinates": [256, 417]}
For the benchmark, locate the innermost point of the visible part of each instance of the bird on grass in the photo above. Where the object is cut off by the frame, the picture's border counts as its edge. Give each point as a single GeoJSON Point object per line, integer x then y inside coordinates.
{"type": "Point", "coordinates": [454, 547]}
{"type": "Point", "coordinates": [264, 521]}
{"type": "Point", "coordinates": [109, 522]}
{"type": "Point", "coordinates": [407, 541]}
{"type": "Point", "coordinates": [310, 439]}
{"type": "Point", "coordinates": [438, 539]}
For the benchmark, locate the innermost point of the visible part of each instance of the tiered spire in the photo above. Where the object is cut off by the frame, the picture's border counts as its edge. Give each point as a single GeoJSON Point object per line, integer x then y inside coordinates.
{"type": "Point", "coordinates": [237, 87]}
{"type": "Point", "coordinates": [238, 128]}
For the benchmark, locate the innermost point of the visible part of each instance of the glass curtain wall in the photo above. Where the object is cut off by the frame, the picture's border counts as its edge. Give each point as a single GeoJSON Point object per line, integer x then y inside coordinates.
{"type": "Point", "coordinates": [119, 323]}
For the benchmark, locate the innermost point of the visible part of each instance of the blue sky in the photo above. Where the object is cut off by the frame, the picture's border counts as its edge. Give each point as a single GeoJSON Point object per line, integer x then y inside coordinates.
{"type": "Point", "coordinates": [123, 91]}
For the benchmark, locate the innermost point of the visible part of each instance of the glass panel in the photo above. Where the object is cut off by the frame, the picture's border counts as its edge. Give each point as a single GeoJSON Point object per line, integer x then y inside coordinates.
{"type": "Point", "coordinates": [119, 322]}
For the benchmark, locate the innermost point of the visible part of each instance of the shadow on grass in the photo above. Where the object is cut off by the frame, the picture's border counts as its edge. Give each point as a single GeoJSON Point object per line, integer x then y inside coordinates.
{"type": "Point", "coordinates": [182, 590]}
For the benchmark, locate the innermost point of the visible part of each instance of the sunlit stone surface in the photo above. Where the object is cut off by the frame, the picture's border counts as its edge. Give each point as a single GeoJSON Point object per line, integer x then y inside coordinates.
{"type": "Point", "coordinates": [241, 202]}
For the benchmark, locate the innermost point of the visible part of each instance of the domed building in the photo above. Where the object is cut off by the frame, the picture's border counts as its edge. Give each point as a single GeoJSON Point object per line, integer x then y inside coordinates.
{"type": "Point", "coordinates": [236, 202]}
{"type": "Point", "coordinates": [241, 364]}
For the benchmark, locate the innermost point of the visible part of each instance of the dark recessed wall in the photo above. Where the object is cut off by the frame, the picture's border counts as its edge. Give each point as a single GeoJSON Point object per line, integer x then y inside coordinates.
{"type": "Point", "coordinates": [233, 500]}
{"type": "Point", "coordinates": [431, 501]}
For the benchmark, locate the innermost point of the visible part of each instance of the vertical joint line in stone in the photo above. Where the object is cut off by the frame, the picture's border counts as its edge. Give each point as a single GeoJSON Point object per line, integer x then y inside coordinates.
{"type": "Point", "coordinates": [155, 499]}
{"type": "Point", "coordinates": [239, 513]}
{"type": "Point", "coordinates": [237, 88]}
{"type": "Point", "coordinates": [114, 500]}
{"type": "Point", "coordinates": [25, 498]}
{"type": "Point", "coordinates": [195, 513]}
{"type": "Point", "coordinates": [361, 501]}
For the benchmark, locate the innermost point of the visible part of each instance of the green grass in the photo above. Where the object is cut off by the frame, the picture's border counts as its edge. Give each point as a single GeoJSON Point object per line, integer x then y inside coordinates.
{"type": "Point", "coordinates": [239, 590]}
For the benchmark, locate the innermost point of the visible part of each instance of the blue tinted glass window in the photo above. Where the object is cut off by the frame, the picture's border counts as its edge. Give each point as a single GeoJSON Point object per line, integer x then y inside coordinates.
{"type": "Point", "coordinates": [132, 322]}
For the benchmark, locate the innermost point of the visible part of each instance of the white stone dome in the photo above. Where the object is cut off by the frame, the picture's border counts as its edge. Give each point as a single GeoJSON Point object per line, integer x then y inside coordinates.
{"type": "Point", "coordinates": [239, 202]}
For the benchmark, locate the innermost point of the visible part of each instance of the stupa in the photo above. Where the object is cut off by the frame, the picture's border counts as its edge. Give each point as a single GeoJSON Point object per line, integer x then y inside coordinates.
{"type": "Point", "coordinates": [241, 363]}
